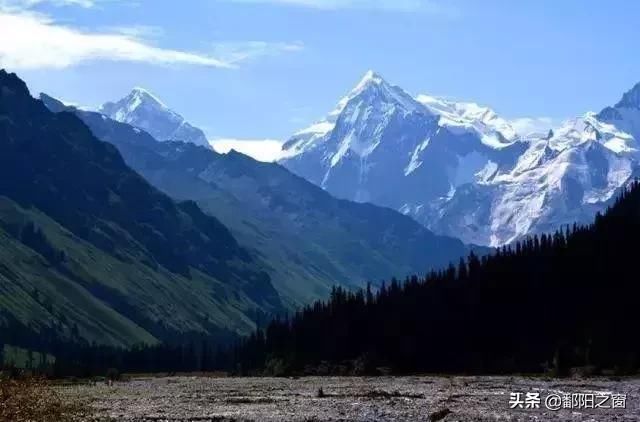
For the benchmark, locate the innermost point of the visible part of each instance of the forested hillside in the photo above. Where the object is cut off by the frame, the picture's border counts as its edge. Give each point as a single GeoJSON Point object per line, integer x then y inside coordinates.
{"type": "Point", "coordinates": [91, 251]}
{"type": "Point", "coordinates": [554, 301]}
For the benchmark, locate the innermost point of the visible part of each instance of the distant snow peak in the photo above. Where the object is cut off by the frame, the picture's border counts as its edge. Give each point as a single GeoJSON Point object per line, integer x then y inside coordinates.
{"type": "Point", "coordinates": [369, 78]}
{"type": "Point", "coordinates": [461, 169]}
{"type": "Point", "coordinates": [375, 90]}
{"type": "Point", "coordinates": [372, 99]}
{"type": "Point", "coordinates": [372, 75]}
{"type": "Point", "coordinates": [126, 107]}
{"type": "Point", "coordinates": [625, 115]}
{"type": "Point", "coordinates": [494, 130]}
{"type": "Point", "coordinates": [144, 110]}
{"type": "Point", "coordinates": [142, 95]}
{"type": "Point", "coordinates": [591, 128]}
{"type": "Point", "coordinates": [631, 98]}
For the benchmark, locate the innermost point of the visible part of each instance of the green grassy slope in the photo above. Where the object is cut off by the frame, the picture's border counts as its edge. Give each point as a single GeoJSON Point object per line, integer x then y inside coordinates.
{"type": "Point", "coordinates": [88, 246]}
{"type": "Point", "coordinates": [109, 299]}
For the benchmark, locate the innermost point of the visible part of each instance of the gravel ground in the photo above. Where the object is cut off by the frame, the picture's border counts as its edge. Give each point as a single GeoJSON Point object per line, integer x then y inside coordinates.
{"type": "Point", "coordinates": [347, 399]}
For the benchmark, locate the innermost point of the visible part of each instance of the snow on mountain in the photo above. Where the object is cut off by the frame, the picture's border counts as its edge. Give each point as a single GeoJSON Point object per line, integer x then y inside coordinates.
{"type": "Point", "coordinates": [145, 111]}
{"type": "Point", "coordinates": [462, 170]}
{"type": "Point", "coordinates": [380, 144]}
{"type": "Point", "coordinates": [371, 87]}
{"type": "Point", "coordinates": [547, 188]}
{"type": "Point", "coordinates": [625, 115]}
{"type": "Point", "coordinates": [492, 129]}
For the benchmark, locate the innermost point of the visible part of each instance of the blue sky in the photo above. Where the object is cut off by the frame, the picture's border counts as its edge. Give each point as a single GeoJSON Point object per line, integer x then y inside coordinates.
{"type": "Point", "coordinates": [262, 69]}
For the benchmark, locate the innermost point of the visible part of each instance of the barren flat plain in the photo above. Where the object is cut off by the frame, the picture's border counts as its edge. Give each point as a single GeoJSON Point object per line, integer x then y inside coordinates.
{"type": "Point", "coordinates": [419, 398]}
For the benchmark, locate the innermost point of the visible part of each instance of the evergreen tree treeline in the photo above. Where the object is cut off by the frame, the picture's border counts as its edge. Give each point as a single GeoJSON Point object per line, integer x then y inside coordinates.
{"type": "Point", "coordinates": [56, 354]}
{"type": "Point", "coordinates": [550, 301]}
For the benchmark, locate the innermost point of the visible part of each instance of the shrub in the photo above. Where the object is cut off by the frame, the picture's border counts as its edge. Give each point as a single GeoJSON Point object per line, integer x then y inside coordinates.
{"type": "Point", "coordinates": [32, 400]}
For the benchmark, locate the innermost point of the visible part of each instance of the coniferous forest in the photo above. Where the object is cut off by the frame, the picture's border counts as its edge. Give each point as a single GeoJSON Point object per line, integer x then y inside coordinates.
{"type": "Point", "coordinates": [550, 302]}
{"type": "Point", "coordinates": [52, 355]}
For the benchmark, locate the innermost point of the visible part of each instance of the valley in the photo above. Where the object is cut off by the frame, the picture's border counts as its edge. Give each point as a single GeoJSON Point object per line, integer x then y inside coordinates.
{"type": "Point", "coordinates": [212, 211]}
{"type": "Point", "coordinates": [429, 398]}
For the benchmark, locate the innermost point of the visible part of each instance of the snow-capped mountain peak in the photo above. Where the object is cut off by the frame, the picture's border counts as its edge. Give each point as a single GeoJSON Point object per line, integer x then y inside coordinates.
{"type": "Point", "coordinates": [372, 96]}
{"type": "Point", "coordinates": [592, 128]}
{"type": "Point", "coordinates": [374, 88]}
{"type": "Point", "coordinates": [370, 78]}
{"type": "Point", "coordinates": [140, 96]}
{"type": "Point", "coordinates": [382, 137]}
{"type": "Point", "coordinates": [461, 169]}
{"type": "Point", "coordinates": [359, 119]}
{"type": "Point", "coordinates": [494, 130]}
{"type": "Point", "coordinates": [142, 109]}
{"type": "Point", "coordinates": [139, 100]}
{"type": "Point", "coordinates": [631, 98]}
{"type": "Point", "coordinates": [625, 115]}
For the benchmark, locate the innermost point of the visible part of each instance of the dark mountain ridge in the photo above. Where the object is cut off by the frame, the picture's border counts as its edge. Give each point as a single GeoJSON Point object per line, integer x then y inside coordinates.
{"type": "Point", "coordinates": [157, 266]}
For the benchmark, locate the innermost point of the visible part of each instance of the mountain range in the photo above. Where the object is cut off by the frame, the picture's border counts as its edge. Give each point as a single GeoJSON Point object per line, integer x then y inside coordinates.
{"type": "Point", "coordinates": [90, 250]}
{"type": "Point", "coordinates": [125, 227]}
{"type": "Point", "coordinates": [460, 169]}
{"type": "Point", "coordinates": [305, 239]}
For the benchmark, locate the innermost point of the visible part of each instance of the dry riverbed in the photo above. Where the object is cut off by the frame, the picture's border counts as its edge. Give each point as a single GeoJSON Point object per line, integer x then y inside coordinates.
{"type": "Point", "coordinates": [348, 399]}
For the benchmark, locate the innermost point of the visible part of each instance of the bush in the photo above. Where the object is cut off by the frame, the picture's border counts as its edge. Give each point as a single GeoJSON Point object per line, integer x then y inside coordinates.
{"type": "Point", "coordinates": [31, 399]}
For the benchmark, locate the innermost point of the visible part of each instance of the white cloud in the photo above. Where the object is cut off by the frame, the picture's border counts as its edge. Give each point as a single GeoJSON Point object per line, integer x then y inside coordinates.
{"type": "Point", "coordinates": [234, 52]}
{"type": "Point", "coordinates": [37, 41]}
{"type": "Point", "coordinates": [528, 125]}
{"type": "Point", "coordinates": [33, 41]}
{"type": "Point", "coordinates": [267, 150]}
{"type": "Point", "coordinates": [146, 32]}
{"type": "Point", "coordinates": [28, 4]}
{"type": "Point", "coordinates": [432, 6]}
